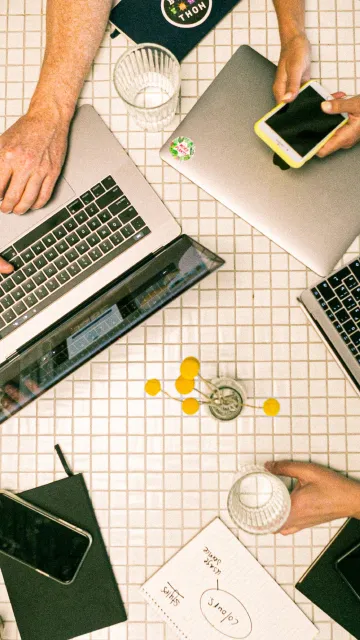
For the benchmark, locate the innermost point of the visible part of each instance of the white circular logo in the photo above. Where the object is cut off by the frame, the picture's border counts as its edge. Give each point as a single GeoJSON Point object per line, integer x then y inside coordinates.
{"type": "Point", "coordinates": [186, 13]}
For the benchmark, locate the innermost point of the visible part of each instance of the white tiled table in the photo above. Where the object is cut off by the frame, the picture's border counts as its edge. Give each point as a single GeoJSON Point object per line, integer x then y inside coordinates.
{"type": "Point", "coordinates": [157, 477]}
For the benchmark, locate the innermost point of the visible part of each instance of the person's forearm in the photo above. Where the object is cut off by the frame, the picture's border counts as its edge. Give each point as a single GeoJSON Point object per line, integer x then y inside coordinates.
{"type": "Point", "coordinates": [291, 18]}
{"type": "Point", "coordinates": [355, 510]}
{"type": "Point", "coordinates": [74, 30]}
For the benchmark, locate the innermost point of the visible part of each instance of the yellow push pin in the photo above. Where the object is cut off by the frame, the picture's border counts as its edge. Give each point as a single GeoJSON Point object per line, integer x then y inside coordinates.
{"type": "Point", "coordinates": [190, 406]}
{"type": "Point", "coordinates": [153, 387]}
{"type": "Point", "coordinates": [184, 386]}
{"type": "Point", "coordinates": [190, 368]}
{"type": "Point", "coordinates": [271, 407]}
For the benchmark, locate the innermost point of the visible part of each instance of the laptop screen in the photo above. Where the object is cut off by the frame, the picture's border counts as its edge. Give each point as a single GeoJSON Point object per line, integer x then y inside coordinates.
{"type": "Point", "coordinates": [119, 308]}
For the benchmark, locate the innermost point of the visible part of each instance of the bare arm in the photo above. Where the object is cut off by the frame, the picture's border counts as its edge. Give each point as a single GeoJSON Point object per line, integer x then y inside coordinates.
{"type": "Point", "coordinates": [74, 32]}
{"type": "Point", "coordinates": [294, 63]}
{"type": "Point", "coordinates": [291, 18]}
{"type": "Point", "coordinates": [294, 70]}
{"type": "Point", "coordinates": [32, 151]}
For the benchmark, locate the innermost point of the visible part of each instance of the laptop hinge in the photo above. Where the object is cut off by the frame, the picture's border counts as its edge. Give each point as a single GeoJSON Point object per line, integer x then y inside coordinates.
{"type": "Point", "coordinates": [164, 247]}
{"type": "Point", "coordinates": [330, 346]}
{"type": "Point", "coordinates": [11, 357]}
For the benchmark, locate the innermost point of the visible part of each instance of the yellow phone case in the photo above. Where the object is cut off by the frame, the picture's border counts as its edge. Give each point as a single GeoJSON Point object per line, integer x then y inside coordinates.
{"type": "Point", "coordinates": [281, 152]}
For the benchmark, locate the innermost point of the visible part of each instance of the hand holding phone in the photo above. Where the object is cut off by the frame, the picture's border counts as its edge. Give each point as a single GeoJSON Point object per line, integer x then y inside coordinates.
{"type": "Point", "coordinates": [297, 130]}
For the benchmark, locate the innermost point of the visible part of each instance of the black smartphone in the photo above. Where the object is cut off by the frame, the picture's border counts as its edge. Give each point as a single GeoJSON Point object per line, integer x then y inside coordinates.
{"type": "Point", "coordinates": [41, 541]}
{"type": "Point", "coordinates": [348, 567]}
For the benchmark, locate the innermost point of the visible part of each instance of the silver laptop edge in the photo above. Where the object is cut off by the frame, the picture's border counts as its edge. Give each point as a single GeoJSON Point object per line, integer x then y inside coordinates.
{"type": "Point", "coordinates": [311, 212]}
{"type": "Point", "coordinates": [93, 154]}
{"type": "Point", "coordinates": [331, 338]}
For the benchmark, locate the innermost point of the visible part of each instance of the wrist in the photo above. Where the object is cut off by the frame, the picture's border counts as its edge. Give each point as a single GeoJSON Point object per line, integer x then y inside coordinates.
{"type": "Point", "coordinates": [355, 509]}
{"type": "Point", "coordinates": [290, 33]}
{"type": "Point", "coordinates": [51, 109]}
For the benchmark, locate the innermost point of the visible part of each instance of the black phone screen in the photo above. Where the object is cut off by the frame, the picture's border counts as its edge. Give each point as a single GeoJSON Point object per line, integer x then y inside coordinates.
{"type": "Point", "coordinates": [39, 541]}
{"type": "Point", "coordinates": [349, 568]}
{"type": "Point", "coordinates": [302, 123]}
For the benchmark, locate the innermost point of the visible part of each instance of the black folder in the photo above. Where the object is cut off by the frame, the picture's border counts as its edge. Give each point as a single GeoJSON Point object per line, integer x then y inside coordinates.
{"type": "Point", "coordinates": [324, 586]}
{"type": "Point", "coordinates": [178, 25]}
{"type": "Point", "coordinates": [47, 610]}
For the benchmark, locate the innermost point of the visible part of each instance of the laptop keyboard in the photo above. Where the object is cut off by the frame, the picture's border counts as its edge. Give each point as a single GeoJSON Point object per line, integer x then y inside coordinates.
{"type": "Point", "coordinates": [339, 296]}
{"type": "Point", "coordinates": [65, 249]}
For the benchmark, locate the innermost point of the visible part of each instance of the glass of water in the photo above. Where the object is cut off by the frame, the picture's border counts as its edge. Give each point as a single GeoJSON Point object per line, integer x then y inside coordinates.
{"type": "Point", "coordinates": [147, 78]}
{"type": "Point", "coordinates": [258, 502]}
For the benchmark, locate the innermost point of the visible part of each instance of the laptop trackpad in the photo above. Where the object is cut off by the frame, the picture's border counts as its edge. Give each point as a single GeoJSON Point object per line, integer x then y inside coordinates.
{"type": "Point", "coordinates": [13, 227]}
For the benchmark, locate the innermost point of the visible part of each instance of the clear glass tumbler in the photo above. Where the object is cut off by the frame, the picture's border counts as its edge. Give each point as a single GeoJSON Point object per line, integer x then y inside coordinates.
{"type": "Point", "coordinates": [258, 502]}
{"type": "Point", "coordinates": [147, 78]}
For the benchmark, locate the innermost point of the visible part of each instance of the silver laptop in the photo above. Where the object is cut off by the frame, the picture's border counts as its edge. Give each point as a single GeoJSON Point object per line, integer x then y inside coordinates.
{"type": "Point", "coordinates": [312, 212]}
{"type": "Point", "coordinates": [101, 257]}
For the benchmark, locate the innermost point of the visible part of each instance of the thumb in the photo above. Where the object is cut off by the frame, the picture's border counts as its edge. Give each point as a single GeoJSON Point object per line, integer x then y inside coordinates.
{"type": "Point", "coordinates": [302, 471]}
{"type": "Point", "coordinates": [349, 105]}
{"type": "Point", "coordinates": [294, 79]}
{"type": "Point", "coordinates": [5, 267]}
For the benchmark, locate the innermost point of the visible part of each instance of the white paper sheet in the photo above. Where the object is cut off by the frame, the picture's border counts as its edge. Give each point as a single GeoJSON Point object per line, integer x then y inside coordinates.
{"type": "Point", "coordinates": [214, 589]}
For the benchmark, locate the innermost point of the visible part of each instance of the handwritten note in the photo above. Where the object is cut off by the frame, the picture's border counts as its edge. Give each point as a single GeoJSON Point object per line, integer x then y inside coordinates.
{"type": "Point", "coordinates": [214, 588]}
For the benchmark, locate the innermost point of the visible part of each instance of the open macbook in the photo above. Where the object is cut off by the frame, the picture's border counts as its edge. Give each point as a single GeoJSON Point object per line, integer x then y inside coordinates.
{"type": "Point", "coordinates": [100, 258]}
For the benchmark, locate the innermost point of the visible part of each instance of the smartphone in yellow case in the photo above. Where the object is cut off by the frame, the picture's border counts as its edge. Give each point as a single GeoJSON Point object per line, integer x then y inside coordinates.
{"type": "Point", "coordinates": [297, 130]}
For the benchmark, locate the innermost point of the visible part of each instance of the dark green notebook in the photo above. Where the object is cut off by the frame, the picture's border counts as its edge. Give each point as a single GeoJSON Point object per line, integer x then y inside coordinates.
{"type": "Point", "coordinates": [323, 585]}
{"type": "Point", "coordinates": [178, 25]}
{"type": "Point", "coordinates": [46, 610]}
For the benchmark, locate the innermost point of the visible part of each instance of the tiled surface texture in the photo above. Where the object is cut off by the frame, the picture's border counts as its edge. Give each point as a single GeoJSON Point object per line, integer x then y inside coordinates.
{"type": "Point", "coordinates": [157, 477]}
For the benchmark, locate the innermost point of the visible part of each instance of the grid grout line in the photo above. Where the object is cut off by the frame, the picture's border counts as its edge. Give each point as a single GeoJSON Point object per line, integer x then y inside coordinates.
{"type": "Point", "coordinates": [129, 446]}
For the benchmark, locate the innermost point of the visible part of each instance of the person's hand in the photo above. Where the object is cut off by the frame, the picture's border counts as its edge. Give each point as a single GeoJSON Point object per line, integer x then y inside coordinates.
{"type": "Point", "coordinates": [349, 134]}
{"type": "Point", "coordinates": [293, 68]}
{"type": "Point", "coordinates": [320, 495]}
{"type": "Point", "coordinates": [32, 153]}
{"type": "Point", "coordinates": [5, 267]}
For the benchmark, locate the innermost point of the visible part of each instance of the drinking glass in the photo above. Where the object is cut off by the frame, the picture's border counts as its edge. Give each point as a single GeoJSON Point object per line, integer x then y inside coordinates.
{"type": "Point", "coordinates": [258, 502]}
{"type": "Point", "coordinates": [147, 78]}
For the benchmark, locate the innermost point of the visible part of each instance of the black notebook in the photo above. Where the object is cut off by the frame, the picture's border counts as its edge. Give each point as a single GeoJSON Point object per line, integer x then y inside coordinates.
{"type": "Point", "coordinates": [178, 25]}
{"type": "Point", "coordinates": [323, 585]}
{"type": "Point", "coordinates": [47, 610]}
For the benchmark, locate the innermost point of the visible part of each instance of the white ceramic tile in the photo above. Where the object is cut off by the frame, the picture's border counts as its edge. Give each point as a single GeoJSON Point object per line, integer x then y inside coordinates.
{"type": "Point", "coordinates": [156, 477]}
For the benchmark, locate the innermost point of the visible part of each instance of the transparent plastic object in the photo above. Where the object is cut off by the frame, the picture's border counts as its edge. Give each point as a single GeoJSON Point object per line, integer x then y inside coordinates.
{"type": "Point", "coordinates": [147, 79]}
{"type": "Point", "coordinates": [258, 501]}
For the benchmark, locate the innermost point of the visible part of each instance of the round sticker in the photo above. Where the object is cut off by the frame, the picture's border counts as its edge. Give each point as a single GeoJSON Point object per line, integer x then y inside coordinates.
{"type": "Point", "coordinates": [182, 148]}
{"type": "Point", "coordinates": [186, 13]}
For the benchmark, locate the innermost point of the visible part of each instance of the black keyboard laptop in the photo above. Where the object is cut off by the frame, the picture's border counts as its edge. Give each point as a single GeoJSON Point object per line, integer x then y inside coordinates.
{"type": "Point", "coordinates": [339, 297]}
{"type": "Point", "coordinates": [62, 251]}
{"type": "Point", "coordinates": [332, 306]}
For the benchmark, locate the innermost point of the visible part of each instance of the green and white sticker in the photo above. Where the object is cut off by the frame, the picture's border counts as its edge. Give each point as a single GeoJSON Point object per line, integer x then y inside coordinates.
{"type": "Point", "coordinates": [182, 148]}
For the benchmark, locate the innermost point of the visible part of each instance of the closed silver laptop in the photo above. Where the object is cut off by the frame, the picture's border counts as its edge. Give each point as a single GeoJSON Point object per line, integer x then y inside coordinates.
{"type": "Point", "coordinates": [312, 212]}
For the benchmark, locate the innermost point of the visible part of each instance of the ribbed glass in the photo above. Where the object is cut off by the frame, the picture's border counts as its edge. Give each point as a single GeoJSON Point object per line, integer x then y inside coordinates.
{"type": "Point", "coordinates": [258, 502]}
{"type": "Point", "coordinates": [147, 78]}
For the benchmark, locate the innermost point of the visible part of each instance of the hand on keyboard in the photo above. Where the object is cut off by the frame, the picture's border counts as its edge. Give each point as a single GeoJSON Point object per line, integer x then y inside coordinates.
{"type": "Point", "coordinates": [65, 249]}
{"type": "Point", "coordinates": [32, 153]}
{"type": "Point", "coordinates": [5, 267]}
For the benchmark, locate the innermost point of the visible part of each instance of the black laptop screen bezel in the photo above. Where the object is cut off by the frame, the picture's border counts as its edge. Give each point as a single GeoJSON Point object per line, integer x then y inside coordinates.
{"type": "Point", "coordinates": [46, 343]}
